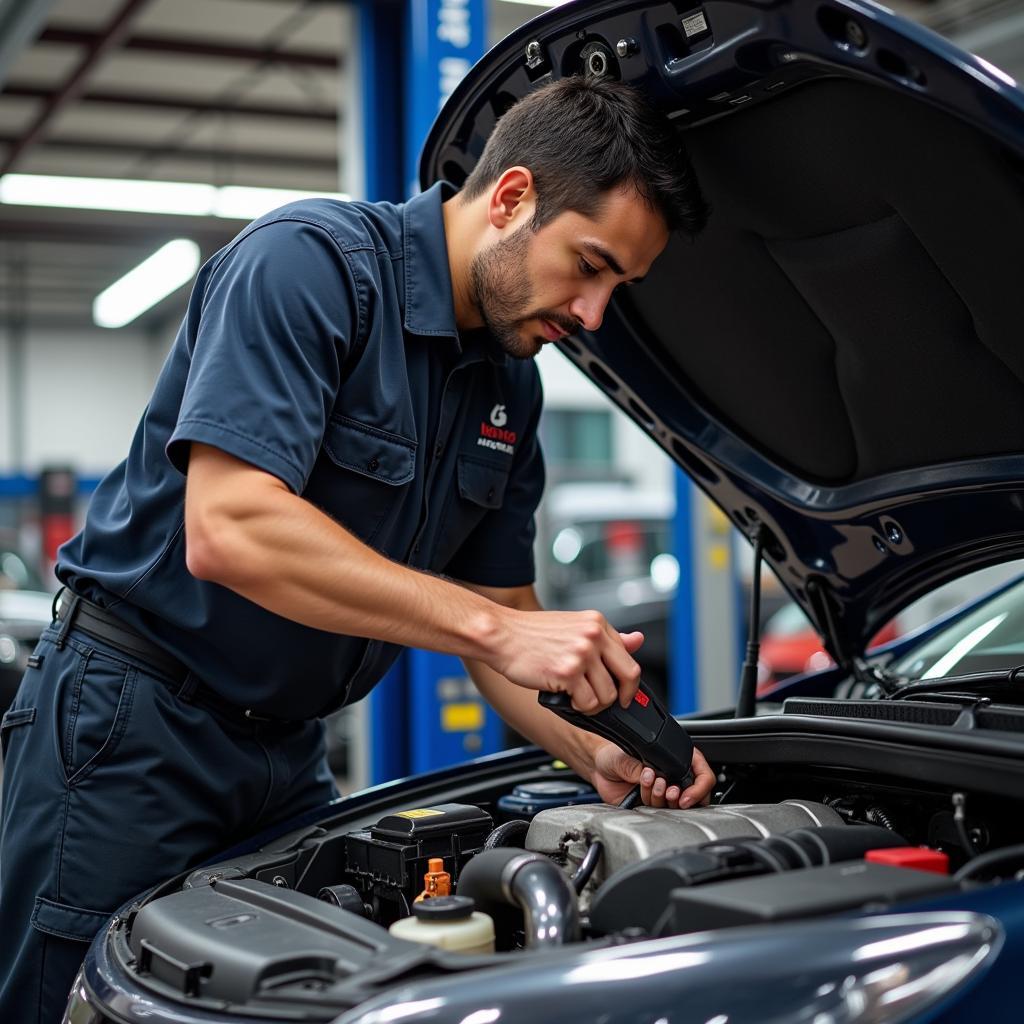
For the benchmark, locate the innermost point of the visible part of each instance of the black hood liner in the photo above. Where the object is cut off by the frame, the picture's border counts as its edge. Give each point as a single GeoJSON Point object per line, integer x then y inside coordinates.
{"type": "Point", "coordinates": [838, 358]}
{"type": "Point", "coordinates": [856, 303]}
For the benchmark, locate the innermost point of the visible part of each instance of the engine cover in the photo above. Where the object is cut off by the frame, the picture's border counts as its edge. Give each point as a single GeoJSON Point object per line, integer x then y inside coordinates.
{"type": "Point", "coordinates": [629, 836]}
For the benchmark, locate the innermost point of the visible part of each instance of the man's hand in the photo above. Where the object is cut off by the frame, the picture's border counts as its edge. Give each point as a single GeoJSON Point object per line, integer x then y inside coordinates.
{"type": "Point", "coordinates": [577, 653]}
{"type": "Point", "coordinates": [616, 773]}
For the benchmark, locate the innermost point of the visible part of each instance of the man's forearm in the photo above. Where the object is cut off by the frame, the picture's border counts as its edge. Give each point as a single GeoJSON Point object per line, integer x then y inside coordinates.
{"type": "Point", "coordinates": [284, 554]}
{"type": "Point", "coordinates": [519, 709]}
{"type": "Point", "coordinates": [246, 531]}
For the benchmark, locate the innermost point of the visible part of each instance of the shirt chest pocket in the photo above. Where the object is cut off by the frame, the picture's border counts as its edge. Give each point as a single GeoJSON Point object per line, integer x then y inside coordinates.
{"type": "Point", "coordinates": [362, 475]}
{"type": "Point", "coordinates": [479, 489]}
{"type": "Point", "coordinates": [481, 483]}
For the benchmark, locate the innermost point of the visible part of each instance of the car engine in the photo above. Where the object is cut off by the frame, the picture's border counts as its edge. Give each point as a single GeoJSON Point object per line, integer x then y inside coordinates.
{"type": "Point", "coordinates": [629, 837]}
{"type": "Point", "coordinates": [547, 865]}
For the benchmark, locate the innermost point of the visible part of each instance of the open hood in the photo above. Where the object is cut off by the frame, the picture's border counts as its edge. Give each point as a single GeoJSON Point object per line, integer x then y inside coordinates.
{"type": "Point", "coordinates": [839, 356]}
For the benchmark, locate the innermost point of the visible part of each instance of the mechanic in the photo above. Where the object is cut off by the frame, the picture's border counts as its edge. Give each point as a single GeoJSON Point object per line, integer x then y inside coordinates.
{"type": "Point", "coordinates": [349, 410]}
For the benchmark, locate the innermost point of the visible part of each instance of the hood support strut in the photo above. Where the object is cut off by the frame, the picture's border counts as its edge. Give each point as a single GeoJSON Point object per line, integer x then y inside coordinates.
{"type": "Point", "coordinates": [824, 609]}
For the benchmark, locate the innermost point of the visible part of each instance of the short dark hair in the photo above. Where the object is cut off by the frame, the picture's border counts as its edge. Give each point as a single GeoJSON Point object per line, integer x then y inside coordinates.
{"type": "Point", "coordinates": [583, 136]}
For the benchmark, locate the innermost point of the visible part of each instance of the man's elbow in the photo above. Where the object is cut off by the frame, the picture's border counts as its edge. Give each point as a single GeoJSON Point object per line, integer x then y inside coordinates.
{"type": "Point", "coordinates": [209, 547]}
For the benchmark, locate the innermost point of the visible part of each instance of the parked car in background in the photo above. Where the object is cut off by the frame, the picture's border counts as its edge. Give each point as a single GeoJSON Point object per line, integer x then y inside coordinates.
{"type": "Point", "coordinates": [609, 546]}
{"type": "Point", "coordinates": [790, 645]}
{"type": "Point", "coordinates": [25, 611]}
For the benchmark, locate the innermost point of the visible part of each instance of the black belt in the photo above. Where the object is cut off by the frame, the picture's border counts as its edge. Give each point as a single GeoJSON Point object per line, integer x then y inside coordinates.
{"type": "Point", "coordinates": [74, 611]}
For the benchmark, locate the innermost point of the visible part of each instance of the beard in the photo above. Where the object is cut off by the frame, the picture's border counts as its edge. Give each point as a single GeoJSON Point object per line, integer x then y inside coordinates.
{"type": "Point", "coordinates": [502, 292]}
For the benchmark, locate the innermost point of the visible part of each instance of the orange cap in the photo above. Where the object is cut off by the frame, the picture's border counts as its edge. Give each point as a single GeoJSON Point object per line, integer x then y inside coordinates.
{"type": "Point", "coordinates": [436, 882]}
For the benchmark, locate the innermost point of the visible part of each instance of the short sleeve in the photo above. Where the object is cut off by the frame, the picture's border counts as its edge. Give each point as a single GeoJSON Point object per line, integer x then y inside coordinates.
{"type": "Point", "coordinates": [499, 551]}
{"type": "Point", "coordinates": [278, 315]}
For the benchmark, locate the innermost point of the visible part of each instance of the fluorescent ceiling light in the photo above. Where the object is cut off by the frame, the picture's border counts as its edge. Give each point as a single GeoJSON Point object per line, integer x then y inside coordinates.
{"type": "Point", "coordinates": [244, 203]}
{"type": "Point", "coordinates": [171, 266]}
{"type": "Point", "coordinates": [137, 196]}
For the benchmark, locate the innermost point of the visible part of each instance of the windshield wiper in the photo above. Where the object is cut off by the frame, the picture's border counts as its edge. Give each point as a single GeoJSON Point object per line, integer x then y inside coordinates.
{"type": "Point", "coordinates": [870, 674]}
{"type": "Point", "coordinates": [974, 682]}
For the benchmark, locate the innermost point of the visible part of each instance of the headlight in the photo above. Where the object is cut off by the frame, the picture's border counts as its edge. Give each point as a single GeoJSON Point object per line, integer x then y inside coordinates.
{"type": "Point", "coordinates": [79, 1010]}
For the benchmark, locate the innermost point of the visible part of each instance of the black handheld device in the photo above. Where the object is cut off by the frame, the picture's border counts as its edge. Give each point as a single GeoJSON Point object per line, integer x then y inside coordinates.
{"type": "Point", "coordinates": [645, 730]}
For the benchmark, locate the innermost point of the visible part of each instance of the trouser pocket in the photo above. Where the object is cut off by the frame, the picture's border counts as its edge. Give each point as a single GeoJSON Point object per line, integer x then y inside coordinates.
{"type": "Point", "coordinates": [66, 921]}
{"type": "Point", "coordinates": [92, 710]}
{"type": "Point", "coordinates": [13, 718]}
{"type": "Point", "coordinates": [63, 933]}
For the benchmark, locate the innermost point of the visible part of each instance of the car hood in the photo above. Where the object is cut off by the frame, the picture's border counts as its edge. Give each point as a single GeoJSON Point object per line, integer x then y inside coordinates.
{"type": "Point", "coordinates": [837, 356]}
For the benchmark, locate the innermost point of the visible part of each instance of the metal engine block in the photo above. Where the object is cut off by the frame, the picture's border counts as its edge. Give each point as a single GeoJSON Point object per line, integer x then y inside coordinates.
{"type": "Point", "coordinates": [628, 836]}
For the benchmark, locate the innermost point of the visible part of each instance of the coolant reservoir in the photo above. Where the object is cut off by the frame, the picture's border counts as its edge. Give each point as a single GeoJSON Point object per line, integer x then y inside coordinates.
{"type": "Point", "coordinates": [449, 922]}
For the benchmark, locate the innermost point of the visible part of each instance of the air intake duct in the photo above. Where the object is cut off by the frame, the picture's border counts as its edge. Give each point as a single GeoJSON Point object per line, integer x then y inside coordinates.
{"type": "Point", "coordinates": [529, 886]}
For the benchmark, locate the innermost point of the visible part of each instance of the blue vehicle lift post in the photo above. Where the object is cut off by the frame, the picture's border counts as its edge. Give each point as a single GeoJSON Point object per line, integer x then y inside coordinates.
{"type": "Point", "coordinates": [705, 626]}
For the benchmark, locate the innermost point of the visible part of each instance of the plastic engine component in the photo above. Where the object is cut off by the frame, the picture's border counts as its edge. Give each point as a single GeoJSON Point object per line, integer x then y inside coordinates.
{"type": "Point", "coordinates": [919, 858]}
{"type": "Point", "coordinates": [528, 799]}
{"type": "Point", "coordinates": [810, 893]}
{"type": "Point", "coordinates": [389, 860]}
{"type": "Point", "coordinates": [249, 941]}
{"type": "Point", "coordinates": [631, 836]}
{"type": "Point", "coordinates": [636, 895]}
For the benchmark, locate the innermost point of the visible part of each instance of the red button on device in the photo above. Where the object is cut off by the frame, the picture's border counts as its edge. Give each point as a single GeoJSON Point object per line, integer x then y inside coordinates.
{"type": "Point", "coordinates": [642, 699]}
{"type": "Point", "coordinates": [919, 857]}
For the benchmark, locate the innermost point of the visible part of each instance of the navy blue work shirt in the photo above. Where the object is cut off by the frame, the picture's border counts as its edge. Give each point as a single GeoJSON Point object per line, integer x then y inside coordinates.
{"type": "Point", "coordinates": [320, 346]}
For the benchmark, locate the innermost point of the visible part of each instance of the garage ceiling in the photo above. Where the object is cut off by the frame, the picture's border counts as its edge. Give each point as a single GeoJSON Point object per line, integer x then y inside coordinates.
{"type": "Point", "coordinates": [241, 92]}
{"type": "Point", "coordinates": [219, 91]}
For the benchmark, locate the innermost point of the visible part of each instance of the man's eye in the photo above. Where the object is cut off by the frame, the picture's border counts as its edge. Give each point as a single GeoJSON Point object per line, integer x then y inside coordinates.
{"type": "Point", "coordinates": [588, 269]}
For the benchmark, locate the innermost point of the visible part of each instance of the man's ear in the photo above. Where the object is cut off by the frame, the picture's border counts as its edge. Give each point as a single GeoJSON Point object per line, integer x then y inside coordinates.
{"type": "Point", "coordinates": [513, 198]}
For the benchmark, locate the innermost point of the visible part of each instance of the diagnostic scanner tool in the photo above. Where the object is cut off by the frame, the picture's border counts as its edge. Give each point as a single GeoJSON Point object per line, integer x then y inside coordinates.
{"type": "Point", "coordinates": [644, 730]}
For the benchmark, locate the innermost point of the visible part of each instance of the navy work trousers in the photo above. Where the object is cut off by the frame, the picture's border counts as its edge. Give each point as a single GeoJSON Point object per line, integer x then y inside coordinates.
{"type": "Point", "coordinates": [112, 783]}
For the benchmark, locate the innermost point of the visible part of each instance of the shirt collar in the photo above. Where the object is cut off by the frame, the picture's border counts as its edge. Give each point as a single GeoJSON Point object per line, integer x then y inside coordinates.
{"type": "Point", "coordinates": [429, 308]}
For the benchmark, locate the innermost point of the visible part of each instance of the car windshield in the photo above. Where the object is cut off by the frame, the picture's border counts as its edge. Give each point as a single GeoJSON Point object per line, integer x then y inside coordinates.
{"type": "Point", "coordinates": [990, 638]}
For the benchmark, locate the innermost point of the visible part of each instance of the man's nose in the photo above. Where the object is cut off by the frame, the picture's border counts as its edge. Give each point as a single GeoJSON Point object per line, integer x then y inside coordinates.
{"type": "Point", "coordinates": [589, 310]}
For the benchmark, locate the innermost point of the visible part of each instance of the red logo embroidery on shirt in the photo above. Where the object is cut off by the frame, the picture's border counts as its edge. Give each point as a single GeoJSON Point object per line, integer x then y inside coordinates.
{"type": "Point", "coordinates": [492, 435]}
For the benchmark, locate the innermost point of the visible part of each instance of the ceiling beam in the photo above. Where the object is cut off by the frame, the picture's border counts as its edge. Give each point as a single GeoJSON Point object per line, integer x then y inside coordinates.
{"type": "Point", "coordinates": [165, 102]}
{"type": "Point", "coordinates": [117, 147]}
{"type": "Point", "coordinates": [109, 39]}
{"type": "Point", "coordinates": [103, 229]}
{"type": "Point", "coordinates": [187, 47]}
{"type": "Point", "coordinates": [20, 22]}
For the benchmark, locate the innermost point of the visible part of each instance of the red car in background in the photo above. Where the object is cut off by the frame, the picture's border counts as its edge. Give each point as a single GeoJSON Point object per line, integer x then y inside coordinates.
{"type": "Point", "coordinates": [790, 645]}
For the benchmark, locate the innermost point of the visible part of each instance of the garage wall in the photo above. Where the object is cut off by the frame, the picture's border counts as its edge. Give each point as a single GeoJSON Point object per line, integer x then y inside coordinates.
{"type": "Point", "coordinates": [100, 381]}
{"type": "Point", "coordinates": [83, 392]}
{"type": "Point", "coordinates": [634, 453]}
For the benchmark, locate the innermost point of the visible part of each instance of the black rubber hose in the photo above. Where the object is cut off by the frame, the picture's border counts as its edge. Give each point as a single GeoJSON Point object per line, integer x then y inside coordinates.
{"type": "Point", "coordinates": [590, 861]}
{"type": "Point", "coordinates": [631, 799]}
{"type": "Point", "coordinates": [505, 877]}
{"type": "Point", "coordinates": [512, 833]}
{"type": "Point", "coordinates": [988, 860]}
{"type": "Point", "coordinates": [876, 816]}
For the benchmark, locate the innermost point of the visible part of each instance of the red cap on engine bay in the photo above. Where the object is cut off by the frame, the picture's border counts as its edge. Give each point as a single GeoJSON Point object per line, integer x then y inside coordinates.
{"type": "Point", "coordinates": [919, 857]}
